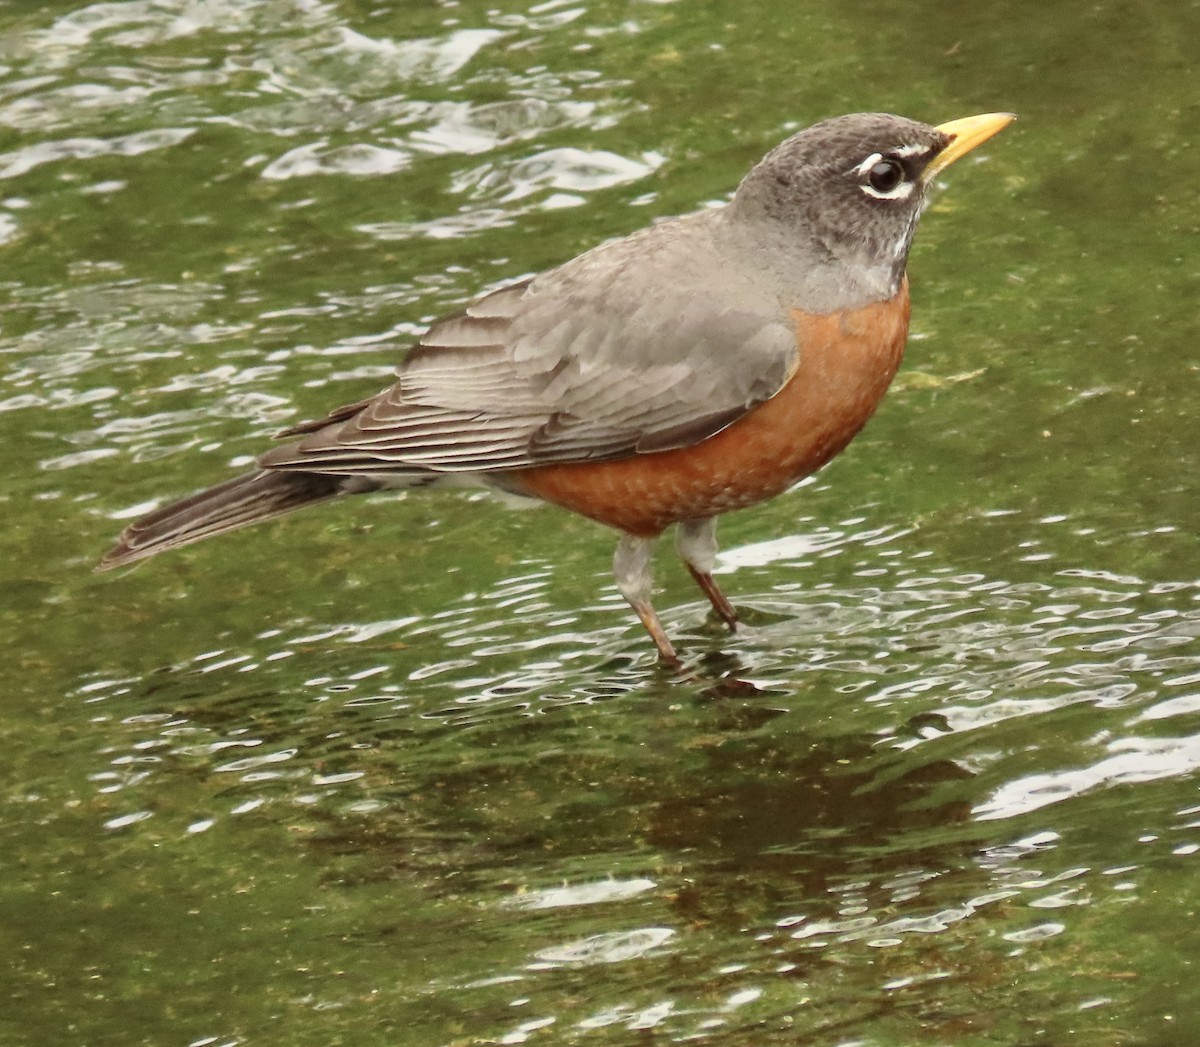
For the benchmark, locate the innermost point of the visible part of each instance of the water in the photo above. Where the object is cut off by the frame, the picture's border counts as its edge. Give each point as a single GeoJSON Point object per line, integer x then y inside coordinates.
{"type": "Point", "coordinates": [404, 771]}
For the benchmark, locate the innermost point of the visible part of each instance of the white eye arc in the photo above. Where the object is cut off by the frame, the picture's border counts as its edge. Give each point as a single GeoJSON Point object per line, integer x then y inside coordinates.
{"type": "Point", "coordinates": [861, 169]}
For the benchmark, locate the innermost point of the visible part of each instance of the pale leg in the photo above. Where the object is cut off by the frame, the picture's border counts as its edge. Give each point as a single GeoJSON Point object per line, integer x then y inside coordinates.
{"type": "Point", "coordinates": [631, 565]}
{"type": "Point", "coordinates": [696, 541]}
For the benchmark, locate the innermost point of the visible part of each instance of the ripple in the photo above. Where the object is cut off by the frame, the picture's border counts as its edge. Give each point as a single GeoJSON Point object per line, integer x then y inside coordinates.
{"type": "Point", "coordinates": [611, 947]}
{"type": "Point", "coordinates": [141, 24]}
{"type": "Point", "coordinates": [469, 128]}
{"type": "Point", "coordinates": [320, 158]}
{"type": "Point", "coordinates": [430, 59]}
{"type": "Point", "coordinates": [581, 894]}
{"type": "Point", "coordinates": [1130, 760]}
{"type": "Point", "coordinates": [63, 106]}
{"type": "Point", "coordinates": [1036, 933]}
{"type": "Point", "coordinates": [125, 820]}
{"type": "Point", "coordinates": [547, 180]}
{"type": "Point", "coordinates": [569, 169]}
{"type": "Point", "coordinates": [959, 771]}
{"type": "Point", "coordinates": [21, 161]}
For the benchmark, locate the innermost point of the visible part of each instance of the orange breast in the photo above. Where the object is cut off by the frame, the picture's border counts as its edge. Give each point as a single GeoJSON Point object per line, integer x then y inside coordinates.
{"type": "Point", "coordinates": [846, 363]}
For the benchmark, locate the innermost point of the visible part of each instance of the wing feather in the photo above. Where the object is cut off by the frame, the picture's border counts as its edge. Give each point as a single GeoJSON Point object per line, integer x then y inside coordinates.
{"type": "Point", "coordinates": [643, 344]}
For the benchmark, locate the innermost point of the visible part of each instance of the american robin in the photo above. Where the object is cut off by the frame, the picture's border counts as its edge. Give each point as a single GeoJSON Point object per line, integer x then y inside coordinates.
{"type": "Point", "coordinates": [699, 365]}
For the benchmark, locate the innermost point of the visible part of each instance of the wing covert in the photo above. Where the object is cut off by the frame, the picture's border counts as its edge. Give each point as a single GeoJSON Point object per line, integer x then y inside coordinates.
{"type": "Point", "coordinates": [595, 359]}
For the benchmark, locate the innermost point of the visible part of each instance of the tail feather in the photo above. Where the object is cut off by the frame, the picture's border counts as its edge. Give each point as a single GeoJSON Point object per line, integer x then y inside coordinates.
{"type": "Point", "coordinates": [236, 503]}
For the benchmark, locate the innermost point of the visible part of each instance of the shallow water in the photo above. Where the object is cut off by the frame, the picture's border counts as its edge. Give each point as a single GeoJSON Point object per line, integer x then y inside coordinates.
{"type": "Point", "coordinates": [404, 771]}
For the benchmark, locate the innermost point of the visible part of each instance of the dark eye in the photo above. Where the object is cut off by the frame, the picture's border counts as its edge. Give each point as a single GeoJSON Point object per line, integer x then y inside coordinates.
{"type": "Point", "coordinates": [885, 176]}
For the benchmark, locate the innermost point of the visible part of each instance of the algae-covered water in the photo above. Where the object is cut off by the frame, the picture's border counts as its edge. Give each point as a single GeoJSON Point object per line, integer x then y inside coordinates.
{"type": "Point", "coordinates": [404, 771]}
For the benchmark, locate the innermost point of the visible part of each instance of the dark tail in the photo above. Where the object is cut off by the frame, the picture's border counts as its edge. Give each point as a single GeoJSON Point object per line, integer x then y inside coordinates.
{"type": "Point", "coordinates": [236, 503]}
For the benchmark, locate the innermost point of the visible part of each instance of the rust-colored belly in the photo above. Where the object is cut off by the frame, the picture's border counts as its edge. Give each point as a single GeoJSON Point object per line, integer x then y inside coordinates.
{"type": "Point", "coordinates": [847, 361]}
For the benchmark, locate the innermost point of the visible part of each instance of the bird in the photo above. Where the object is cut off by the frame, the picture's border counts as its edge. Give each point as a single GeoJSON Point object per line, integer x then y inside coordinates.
{"type": "Point", "coordinates": [702, 364]}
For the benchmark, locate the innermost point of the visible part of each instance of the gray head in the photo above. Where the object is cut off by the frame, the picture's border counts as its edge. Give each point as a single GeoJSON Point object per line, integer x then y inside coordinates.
{"type": "Point", "coordinates": [837, 203]}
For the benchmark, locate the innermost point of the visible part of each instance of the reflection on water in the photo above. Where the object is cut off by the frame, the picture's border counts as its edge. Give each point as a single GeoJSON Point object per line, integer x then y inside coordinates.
{"type": "Point", "coordinates": [921, 663]}
{"type": "Point", "coordinates": [707, 850]}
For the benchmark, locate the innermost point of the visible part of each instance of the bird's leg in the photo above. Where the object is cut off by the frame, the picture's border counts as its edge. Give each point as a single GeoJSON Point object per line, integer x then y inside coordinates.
{"type": "Point", "coordinates": [696, 541]}
{"type": "Point", "coordinates": [631, 565]}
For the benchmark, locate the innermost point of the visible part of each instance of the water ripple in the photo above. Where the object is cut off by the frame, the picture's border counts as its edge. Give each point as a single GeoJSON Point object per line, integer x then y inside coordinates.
{"type": "Point", "coordinates": [953, 751]}
{"type": "Point", "coordinates": [22, 161]}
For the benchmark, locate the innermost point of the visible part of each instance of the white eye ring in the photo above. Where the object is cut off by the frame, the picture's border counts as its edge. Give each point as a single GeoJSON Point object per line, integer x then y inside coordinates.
{"type": "Point", "coordinates": [902, 190]}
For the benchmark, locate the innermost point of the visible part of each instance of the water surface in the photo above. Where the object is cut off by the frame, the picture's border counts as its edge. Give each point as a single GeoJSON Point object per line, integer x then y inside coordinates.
{"type": "Point", "coordinates": [404, 771]}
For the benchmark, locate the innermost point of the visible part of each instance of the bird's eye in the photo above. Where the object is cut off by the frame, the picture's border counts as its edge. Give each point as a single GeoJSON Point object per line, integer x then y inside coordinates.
{"type": "Point", "coordinates": [885, 176]}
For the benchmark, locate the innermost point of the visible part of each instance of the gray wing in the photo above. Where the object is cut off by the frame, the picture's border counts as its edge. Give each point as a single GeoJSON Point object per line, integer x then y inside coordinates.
{"type": "Point", "coordinates": [642, 344]}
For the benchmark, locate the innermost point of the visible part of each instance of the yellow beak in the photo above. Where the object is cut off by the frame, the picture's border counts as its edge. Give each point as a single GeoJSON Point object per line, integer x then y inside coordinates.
{"type": "Point", "coordinates": [965, 135]}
